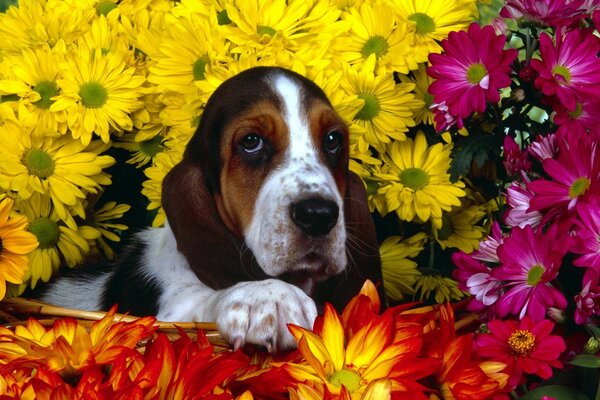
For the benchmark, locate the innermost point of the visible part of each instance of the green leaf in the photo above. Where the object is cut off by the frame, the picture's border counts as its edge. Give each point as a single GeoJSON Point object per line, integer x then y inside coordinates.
{"type": "Point", "coordinates": [476, 147]}
{"type": "Point", "coordinates": [556, 391]}
{"type": "Point", "coordinates": [586, 361]}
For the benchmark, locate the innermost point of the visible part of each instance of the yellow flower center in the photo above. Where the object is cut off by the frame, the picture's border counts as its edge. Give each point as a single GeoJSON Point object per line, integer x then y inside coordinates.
{"type": "Point", "coordinates": [93, 94]}
{"type": "Point", "coordinates": [46, 90]}
{"type": "Point", "coordinates": [370, 109]}
{"type": "Point", "coordinates": [347, 377]}
{"type": "Point", "coordinates": [414, 178]}
{"type": "Point", "coordinates": [46, 231]}
{"type": "Point", "coordinates": [576, 113]}
{"type": "Point", "coordinates": [199, 69]}
{"type": "Point", "coordinates": [428, 99]}
{"type": "Point", "coordinates": [560, 72]}
{"type": "Point", "coordinates": [534, 275]}
{"type": "Point", "coordinates": [579, 187]}
{"type": "Point", "coordinates": [104, 7]}
{"type": "Point", "coordinates": [266, 30]}
{"type": "Point", "coordinates": [476, 73]}
{"type": "Point", "coordinates": [521, 343]}
{"type": "Point", "coordinates": [375, 45]}
{"type": "Point", "coordinates": [38, 163]}
{"type": "Point", "coordinates": [425, 24]}
{"type": "Point", "coordinates": [446, 230]}
{"type": "Point", "coordinates": [152, 146]}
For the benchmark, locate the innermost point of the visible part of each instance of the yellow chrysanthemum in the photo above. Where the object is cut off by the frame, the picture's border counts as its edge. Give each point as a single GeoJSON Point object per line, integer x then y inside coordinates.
{"type": "Point", "coordinates": [460, 230]}
{"type": "Point", "coordinates": [57, 241]}
{"type": "Point", "coordinates": [36, 23]}
{"type": "Point", "coordinates": [375, 31]}
{"type": "Point", "coordinates": [443, 288]}
{"type": "Point", "coordinates": [102, 221]}
{"type": "Point", "coordinates": [388, 107]}
{"type": "Point", "coordinates": [267, 25]}
{"type": "Point", "coordinates": [98, 91]}
{"type": "Point", "coordinates": [107, 37]}
{"type": "Point", "coordinates": [59, 167]}
{"type": "Point", "coordinates": [421, 81]}
{"type": "Point", "coordinates": [15, 244]}
{"type": "Point", "coordinates": [152, 188]}
{"type": "Point", "coordinates": [418, 185]}
{"type": "Point", "coordinates": [400, 273]}
{"type": "Point", "coordinates": [434, 19]}
{"type": "Point", "coordinates": [32, 77]}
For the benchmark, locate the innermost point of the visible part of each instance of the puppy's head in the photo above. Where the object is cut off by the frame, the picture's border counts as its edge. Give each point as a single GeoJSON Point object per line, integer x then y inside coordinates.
{"type": "Point", "coordinates": [275, 157]}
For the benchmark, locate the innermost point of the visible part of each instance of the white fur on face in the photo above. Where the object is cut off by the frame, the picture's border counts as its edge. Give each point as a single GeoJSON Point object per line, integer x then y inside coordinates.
{"type": "Point", "coordinates": [278, 245]}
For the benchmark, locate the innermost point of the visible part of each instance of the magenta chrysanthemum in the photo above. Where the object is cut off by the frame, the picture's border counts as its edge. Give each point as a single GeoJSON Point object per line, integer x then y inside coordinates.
{"type": "Point", "coordinates": [585, 119]}
{"type": "Point", "coordinates": [587, 241]}
{"type": "Point", "coordinates": [530, 261]}
{"type": "Point", "coordinates": [544, 12]}
{"type": "Point", "coordinates": [576, 178]}
{"type": "Point", "coordinates": [570, 69]}
{"type": "Point", "coordinates": [471, 71]}
{"type": "Point", "coordinates": [524, 346]}
{"type": "Point", "coordinates": [518, 199]}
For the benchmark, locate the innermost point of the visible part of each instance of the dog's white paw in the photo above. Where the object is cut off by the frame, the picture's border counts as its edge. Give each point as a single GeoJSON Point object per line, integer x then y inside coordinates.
{"type": "Point", "coordinates": [258, 313]}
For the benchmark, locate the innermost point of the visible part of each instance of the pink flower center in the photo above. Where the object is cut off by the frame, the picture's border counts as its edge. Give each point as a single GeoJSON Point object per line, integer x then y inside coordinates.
{"type": "Point", "coordinates": [476, 74]}
{"type": "Point", "coordinates": [579, 187]}
{"type": "Point", "coordinates": [521, 343]}
{"type": "Point", "coordinates": [561, 74]}
{"type": "Point", "coordinates": [534, 275]}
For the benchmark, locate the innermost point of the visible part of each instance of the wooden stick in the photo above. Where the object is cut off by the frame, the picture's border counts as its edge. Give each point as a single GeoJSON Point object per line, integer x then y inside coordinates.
{"type": "Point", "coordinates": [27, 306]}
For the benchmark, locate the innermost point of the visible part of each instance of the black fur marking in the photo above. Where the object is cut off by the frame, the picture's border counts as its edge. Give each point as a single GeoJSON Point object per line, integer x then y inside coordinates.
{"type": "Point", "coordinates": [129, 287]}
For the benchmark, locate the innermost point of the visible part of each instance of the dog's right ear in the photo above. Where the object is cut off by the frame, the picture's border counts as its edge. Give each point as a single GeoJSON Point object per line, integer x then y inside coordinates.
{"type": "Point", "coordinates": [216, 256]}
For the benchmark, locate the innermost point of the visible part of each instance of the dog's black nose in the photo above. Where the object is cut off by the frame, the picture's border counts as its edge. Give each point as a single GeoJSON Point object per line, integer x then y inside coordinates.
{"type": "Point", "coordinates": [315, 216]}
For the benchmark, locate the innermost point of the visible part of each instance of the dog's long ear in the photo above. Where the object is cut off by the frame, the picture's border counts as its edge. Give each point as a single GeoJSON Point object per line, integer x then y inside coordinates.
{"type": "Point", "coordinates": [361, 246]}
{"type": "Point", "coordinates": [215, 255]}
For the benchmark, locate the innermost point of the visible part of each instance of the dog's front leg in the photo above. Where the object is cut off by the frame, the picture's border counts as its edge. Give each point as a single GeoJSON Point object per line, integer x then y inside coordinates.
{"type": "Point", "coordinates": [254, 312]}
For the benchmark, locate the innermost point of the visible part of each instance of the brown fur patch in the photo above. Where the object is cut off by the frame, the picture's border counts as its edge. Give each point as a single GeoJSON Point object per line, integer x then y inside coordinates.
{"type": "Point", "coordinates": [323, 120]}
{"type": "Point", "coordinates": [240, 178]}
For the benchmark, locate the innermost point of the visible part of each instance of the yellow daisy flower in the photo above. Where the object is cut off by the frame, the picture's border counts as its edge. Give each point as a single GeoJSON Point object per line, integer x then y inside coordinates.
{"type": "Point", "coordinates": [33, 79]}
{"type": "Point", "coordinates": [460, 230]}
{"type": "Point", "coordinates": [287, 25]}
{"type": "Point", "coordinates": [375, 30]}
{"type": "Point", "coordinates": [443, 288]}
{"type": "Point", "coordinates": [98, 91]}
{"type": "Point", "coordinates": [400, 273]}
{"type": "Point", "coordinates": [417, 184]}
{"type": "Point", "coordinates": [388, 107]}
{"type": "Point", "coordinates": [434, 19]}
{"type": "Point", "coordinates": [56, 240]}
{"type": "Point", "coordinates": [16, 24]}
{"type": "Point", "coordinates": [189, 49]}
{"type": "Point", "coordinates": [152, 187]}
{"type": "Point", "coordinates": [102, 221]}
{"type": "Point", "coordinates": [421, 82]}
{"type": "Point", "coordinates": [59, 167]}
{"type": "Point", "coordinates": [106, 36]}
{"type": "Point", "coordinates": [15, 244]}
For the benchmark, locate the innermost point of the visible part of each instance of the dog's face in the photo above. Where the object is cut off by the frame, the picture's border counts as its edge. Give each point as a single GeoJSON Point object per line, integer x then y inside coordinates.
{"type": "Point", "coordinates": [276, 167]}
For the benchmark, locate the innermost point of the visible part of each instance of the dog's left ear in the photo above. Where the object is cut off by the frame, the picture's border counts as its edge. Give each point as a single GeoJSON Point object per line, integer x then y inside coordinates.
{"type": "Point", "coordinates": [362, 249]}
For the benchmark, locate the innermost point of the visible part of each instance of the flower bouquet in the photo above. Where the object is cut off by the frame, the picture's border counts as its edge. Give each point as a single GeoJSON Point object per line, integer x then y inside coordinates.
{"type": "Point", "coordinates": [477, 143]}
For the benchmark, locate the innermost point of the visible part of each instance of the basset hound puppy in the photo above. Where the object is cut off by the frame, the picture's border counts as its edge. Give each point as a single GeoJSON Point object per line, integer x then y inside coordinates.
{"type": "Point", "coordinates": [265, 222]}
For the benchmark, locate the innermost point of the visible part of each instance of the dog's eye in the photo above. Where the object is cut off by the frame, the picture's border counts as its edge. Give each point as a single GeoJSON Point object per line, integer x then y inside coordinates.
{"type": "Point", "coordinates": [333, 142]}
{"type": "Point", "coordinates": [252, 143]}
